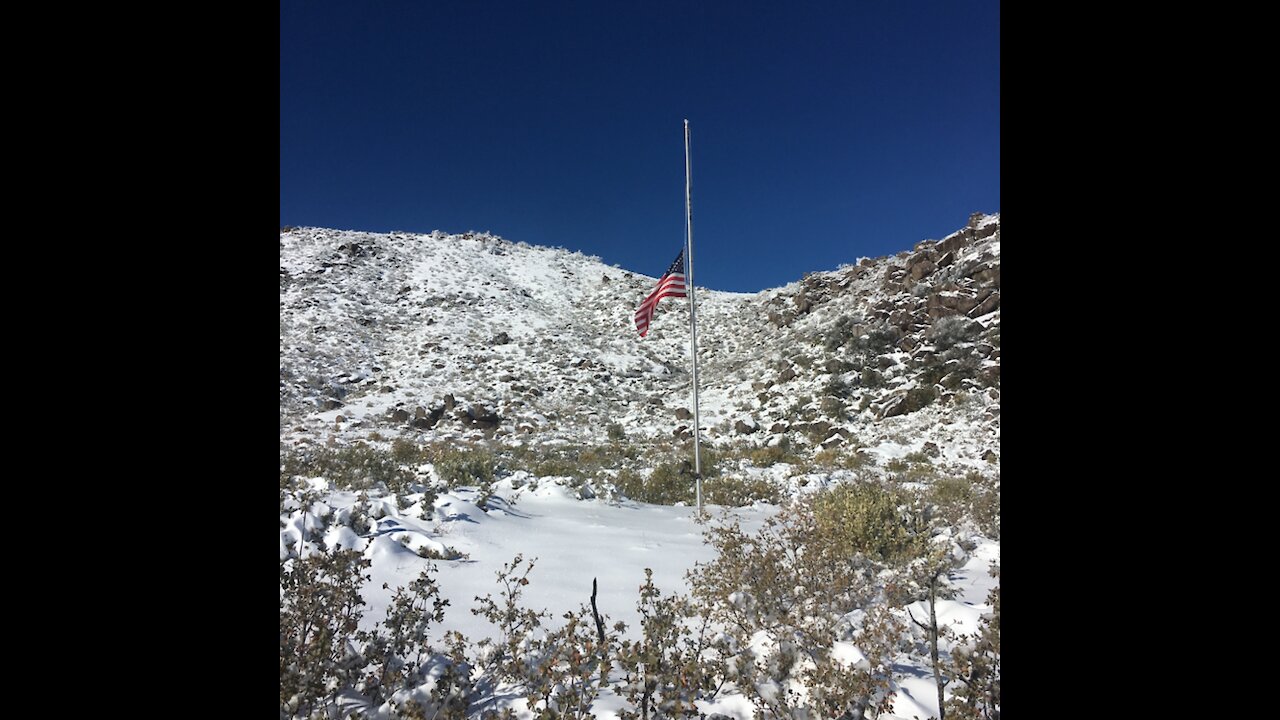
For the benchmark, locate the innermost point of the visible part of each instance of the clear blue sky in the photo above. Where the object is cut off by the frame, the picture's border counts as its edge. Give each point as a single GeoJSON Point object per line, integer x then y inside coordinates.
{"type": "Point", "coordinates": [821, 131]}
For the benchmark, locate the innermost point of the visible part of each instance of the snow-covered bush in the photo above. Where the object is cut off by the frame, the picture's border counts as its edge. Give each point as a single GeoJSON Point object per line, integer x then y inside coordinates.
{"type": "Point", "coordinates": [952, 330]}
{"type": "Point", "coordinates": [975, 665]}
{"type": "Point", "coordinates": [347, 467]}
{"type": "Point", "coordinates": [974, 497]}
{"type": "Point", "coordinates": [320, 605]}
{"type": "Point", "coordinates": [464, 466]}
{"type": "Point", "coordinates": [738, 489]}
{"type": "Point", "coordinates": [665, 671]}
{"type": "Point", "coordinates": [784, 599]}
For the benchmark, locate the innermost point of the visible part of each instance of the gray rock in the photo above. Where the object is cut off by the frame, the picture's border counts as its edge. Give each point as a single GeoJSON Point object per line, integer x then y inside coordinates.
{"type": "Point", "coordinates": [988, 305]}
{"type": "Point", "coordinates": [896, 406]}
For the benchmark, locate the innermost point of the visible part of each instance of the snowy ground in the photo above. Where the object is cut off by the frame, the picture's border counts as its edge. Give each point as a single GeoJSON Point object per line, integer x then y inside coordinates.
{"type": "Point", "coordinates": [574, 541]}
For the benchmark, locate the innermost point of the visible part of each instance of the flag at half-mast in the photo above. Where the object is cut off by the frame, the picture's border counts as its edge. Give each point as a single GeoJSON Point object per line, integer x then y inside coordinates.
{"type": "Point", "coordinates": [671, 284]}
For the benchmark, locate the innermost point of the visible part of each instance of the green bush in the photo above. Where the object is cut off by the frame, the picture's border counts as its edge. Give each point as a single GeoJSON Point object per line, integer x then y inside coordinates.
{"type": "Point", "coordinates": [669, 483]}
{"type": "Point", "coordinates": [867, 518]}
{"type": "Point", "coordinates": [973, 497]}
{"type": "Point", "coordinates": [458, 467]}
{"type": "Point", "coordinates": [736, 491]}
{"type": "Point", "coordinates": [793, 583]}
{"type": "Point", "coordinates": [354, 467]}
{"type": "Point", "coordinates": [847, 458]}
{"type": "Point", "coordinates": [559, 466]}
{"type": "Point", "coordinates": [773, 454]}
{"type": "Point", "coordinates": [408, 452]}
{"type": "Point", "coordinates": [615, 432]}
{"type": "Point", "coordinates": [918, 456]}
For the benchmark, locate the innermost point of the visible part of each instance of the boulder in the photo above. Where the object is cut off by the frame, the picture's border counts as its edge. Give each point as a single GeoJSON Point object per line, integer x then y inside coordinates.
{"type": "Point", "coordinates": [819, 428]}
{"type": "Point", "coordinates": [953, 243]}
{"type": "Point", "coordinates": [988, 305]}
{"type": "Point", "coordinates": [896, 405]}
{"type": "Point", "coordinates": [922, 270]}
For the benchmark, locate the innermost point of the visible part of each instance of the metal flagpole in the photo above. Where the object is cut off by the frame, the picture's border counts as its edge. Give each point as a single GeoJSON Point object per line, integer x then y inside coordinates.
{"type": "Point", "coordinates": [693, 314]}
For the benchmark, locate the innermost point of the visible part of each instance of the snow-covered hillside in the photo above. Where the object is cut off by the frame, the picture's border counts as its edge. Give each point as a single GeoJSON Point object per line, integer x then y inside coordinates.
{"type": "Point", "coordinates": [495, 340]}
{"type": "Point", "coordinates": [453, 401]}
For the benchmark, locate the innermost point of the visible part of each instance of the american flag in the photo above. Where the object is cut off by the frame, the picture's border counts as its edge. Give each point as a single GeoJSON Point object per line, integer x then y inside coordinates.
{"type": "Point", "coordinates": [671, 284]}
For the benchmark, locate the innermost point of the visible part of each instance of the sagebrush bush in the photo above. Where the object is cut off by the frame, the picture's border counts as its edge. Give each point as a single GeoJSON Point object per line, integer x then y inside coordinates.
{"type": "Point", "coordinates": [673, 480]}
{"type": "Point", "coordinates": [792, 584]}
{"type": "Point", "coordinates": [667, 484]}
{"type": "Point", "coordinates": [974, 497]}
{"type": "Point", "coordinates": [847, 458]}
{"type": "Point", "coordinates": [352, 467]}
{"type": "Point", "coordinates": [734, 490]}
{"type": "Point", "coordinates": [917, 456]}
{"type": "Point", "coordinates": [952, 330]}
{"type": "Point", "coordinates": [615, 432]}
{"type": "Point", "coordinates": [881, 523]}
{"type": "Point", "coordinates": [408, 452]}
{"type": "Point", "coordinates": [458, 466]}
{"type": "Point", "coordinates": [772, 454]}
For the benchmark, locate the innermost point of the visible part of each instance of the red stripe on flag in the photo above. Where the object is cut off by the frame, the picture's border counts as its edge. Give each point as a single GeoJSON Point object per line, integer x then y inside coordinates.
{"type": "Point", "coordinates": [670, 285]}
